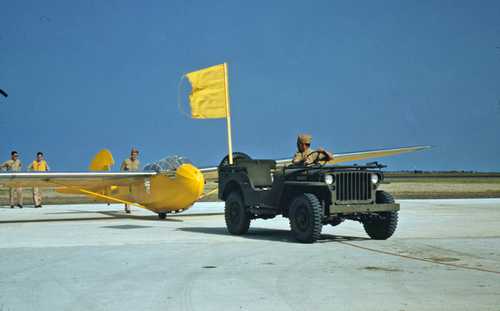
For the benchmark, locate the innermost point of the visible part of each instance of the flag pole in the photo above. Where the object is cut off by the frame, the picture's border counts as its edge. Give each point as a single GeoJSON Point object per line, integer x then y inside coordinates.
{"type": "Point", "coordinates": [228, 117]}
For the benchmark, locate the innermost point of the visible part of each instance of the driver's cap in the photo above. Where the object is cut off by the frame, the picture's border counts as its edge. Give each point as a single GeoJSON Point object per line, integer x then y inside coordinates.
{"type": "Point", "coordinates": [304, 139]}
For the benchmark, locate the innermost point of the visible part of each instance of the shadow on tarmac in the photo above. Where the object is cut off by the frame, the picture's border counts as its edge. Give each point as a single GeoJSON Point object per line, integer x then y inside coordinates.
{"type": "Point", "coordinates": [109, 216]}
{"type": "Point", "coordinates": [277, 235]}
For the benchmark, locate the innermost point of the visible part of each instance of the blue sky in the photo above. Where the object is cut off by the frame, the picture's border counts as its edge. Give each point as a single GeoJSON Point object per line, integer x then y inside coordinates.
{"type": "Point", "coordinates": [86, 75]}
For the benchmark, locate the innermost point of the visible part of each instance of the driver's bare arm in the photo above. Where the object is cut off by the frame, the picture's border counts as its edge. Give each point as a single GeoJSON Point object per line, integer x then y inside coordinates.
{"type": "Point", "coordinates": [325, 155]}
{"type": "Point", "coordinates": [329, 155]}
{"type": "Point", "coordinates": [297, 158]}
{"type": "Point", "coordinates": [309, 160]}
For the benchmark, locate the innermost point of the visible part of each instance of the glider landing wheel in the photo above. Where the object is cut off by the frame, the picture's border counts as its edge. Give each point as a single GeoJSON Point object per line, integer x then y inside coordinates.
{"type": "Point", "coordinates": [162, 215]}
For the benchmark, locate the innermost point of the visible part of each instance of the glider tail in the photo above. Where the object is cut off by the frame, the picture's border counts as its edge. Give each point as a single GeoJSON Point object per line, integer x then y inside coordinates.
{"type": "Point", "coordinates": [102, 161]}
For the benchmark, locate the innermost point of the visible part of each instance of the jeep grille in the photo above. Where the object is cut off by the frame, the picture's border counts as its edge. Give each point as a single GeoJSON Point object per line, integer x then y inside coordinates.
{"type": "Point", "coordinates": [353, 187]}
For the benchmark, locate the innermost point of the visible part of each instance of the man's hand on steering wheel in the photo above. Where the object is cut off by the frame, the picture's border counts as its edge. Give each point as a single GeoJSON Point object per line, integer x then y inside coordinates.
{"type": "Point", "coordinates": [317, 159]}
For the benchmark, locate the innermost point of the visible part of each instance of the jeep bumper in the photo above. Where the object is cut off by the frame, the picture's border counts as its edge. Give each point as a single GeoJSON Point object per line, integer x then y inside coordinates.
{"type": "Point", "coordinates": [363, 208]}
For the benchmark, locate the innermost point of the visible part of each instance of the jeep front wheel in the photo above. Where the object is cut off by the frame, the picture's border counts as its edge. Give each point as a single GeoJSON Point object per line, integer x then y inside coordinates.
{"type": "Point", "coordinates": [382, 225]}
{"type": "Point", "coordinates": [305, 218]}
{"type": "Point", "coordinates": [236, 215]}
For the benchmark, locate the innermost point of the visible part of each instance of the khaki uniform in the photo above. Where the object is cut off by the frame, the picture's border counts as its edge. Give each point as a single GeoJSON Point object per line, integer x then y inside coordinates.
{"type": "Point", "coordinates": [15, 194]}
{"type": "Point", "coordinates": [129, 166]}
{"type": "Point", "coordinates": [307, 157]}
{"type": "Point", "coordinates": [36, 166]}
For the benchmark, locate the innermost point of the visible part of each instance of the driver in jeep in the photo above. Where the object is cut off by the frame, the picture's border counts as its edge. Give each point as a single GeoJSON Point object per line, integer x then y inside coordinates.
{"type": "Point", "coordinates": [307, 156]}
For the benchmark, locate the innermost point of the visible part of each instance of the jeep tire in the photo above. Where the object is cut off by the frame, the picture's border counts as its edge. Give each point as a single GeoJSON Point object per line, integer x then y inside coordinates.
{"type": "Point", "coordinates": [236, 215]}
{"type": "Point", "coordinates": [383, 226]}
{"type": "Point", "coordinates": [305, 218]}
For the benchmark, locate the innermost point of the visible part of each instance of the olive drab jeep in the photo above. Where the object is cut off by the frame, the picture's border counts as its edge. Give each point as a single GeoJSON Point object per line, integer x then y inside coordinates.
{"type": "Point", "coordinates": [310, 196]}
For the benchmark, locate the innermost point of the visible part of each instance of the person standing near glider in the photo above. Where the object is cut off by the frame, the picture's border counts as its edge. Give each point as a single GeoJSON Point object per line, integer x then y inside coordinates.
{"type": "Point", "coordinates": [131, 164]}
{"type": "Point", "coordinates": [39, 165]}
{"type": "Point", "coordinates": [14, 165]}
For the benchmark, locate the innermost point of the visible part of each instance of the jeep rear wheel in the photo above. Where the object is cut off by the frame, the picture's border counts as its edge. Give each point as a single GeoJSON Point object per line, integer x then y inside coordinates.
{"type": "Point", "coordinates": [236, 215]}
{"type": "Point", "coordinates": [305, 218]}
{"type": "Point", "coordinates": [382, 225]}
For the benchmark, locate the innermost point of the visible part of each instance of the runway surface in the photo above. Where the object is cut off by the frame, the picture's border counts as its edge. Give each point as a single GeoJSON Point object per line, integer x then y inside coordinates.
{"type": "Point", "coordinates": [445, 255]}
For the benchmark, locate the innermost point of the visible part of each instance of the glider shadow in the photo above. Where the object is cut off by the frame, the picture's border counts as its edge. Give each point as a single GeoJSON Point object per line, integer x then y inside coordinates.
{"type": "Point", "coordinates": [106, 216]}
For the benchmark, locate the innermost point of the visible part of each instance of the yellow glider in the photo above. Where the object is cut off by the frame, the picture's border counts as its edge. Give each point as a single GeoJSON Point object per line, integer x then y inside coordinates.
{"type": "Point", "coordinates": [162, 191]}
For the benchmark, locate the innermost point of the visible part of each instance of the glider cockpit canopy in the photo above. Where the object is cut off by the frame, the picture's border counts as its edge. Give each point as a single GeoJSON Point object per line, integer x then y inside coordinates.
{"type": "Point", "coordinates": [167, 164]}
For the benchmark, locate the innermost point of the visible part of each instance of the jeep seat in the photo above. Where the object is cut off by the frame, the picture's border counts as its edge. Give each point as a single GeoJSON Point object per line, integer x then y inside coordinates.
{"type": "Point", "coordinates": [259, 171]}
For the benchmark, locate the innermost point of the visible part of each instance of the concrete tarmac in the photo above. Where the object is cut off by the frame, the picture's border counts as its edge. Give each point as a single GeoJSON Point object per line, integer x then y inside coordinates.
{"type": "Point", "coordinates": [445, 255]}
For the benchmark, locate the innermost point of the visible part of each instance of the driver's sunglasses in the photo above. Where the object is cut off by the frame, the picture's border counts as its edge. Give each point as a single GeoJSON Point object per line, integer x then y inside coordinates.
{"type": "Point", "coordinates": [15, 155]}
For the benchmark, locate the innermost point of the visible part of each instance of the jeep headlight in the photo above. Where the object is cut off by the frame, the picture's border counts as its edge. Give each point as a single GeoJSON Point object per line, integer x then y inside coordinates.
{"type": "Point", "coordinates": [328, 179]}
{"type": "Point", "coordinates": [374, 179]}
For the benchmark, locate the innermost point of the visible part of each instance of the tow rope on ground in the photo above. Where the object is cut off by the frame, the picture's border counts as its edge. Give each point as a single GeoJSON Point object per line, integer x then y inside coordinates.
{"type": "Point", "coordinates": [419, 259]}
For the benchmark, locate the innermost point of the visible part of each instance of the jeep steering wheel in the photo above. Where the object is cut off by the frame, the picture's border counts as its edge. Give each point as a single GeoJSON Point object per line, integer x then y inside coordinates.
{"type": "Point", "coordinates": [317, 161]}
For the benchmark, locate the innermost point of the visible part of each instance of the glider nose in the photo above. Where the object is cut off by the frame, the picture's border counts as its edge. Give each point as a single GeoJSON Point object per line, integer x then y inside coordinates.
{"type": "Point", "coordinates": [192, 178]}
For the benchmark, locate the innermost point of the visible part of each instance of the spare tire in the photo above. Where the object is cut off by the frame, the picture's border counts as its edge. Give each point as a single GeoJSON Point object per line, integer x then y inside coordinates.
{"type": "Point", "coordinates": [236, 156]}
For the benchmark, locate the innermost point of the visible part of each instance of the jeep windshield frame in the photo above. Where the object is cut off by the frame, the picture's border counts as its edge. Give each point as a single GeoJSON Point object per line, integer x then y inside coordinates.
{"type": "Point", "coordinates": [302, 168]}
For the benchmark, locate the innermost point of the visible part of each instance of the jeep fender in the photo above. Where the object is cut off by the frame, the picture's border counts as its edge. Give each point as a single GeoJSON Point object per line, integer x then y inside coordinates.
{"type": "Point", "coordinates": [290, 191]}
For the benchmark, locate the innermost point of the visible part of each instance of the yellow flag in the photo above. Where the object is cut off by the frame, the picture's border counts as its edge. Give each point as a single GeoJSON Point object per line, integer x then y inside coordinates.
{"type": "Point", "coordinates": [208, 94]}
